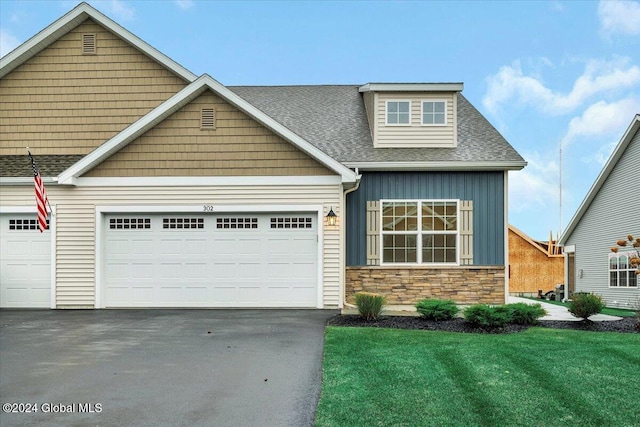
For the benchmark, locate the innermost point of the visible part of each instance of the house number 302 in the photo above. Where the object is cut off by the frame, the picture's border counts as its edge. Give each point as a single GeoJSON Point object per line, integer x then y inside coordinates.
{"type": "Point", "coordinates": [207, 208]}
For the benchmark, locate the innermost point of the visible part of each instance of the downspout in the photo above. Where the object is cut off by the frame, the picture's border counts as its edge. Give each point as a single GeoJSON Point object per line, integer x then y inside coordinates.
{"type": "Point", "coordinates": [343, 230]}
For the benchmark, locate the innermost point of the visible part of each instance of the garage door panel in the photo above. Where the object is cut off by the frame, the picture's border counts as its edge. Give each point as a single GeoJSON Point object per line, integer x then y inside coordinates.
{"type": "Point", "coordinates": [194, 271]}
{"type": "Point", "coordinates": [226, 261]}
{"type": "Point", "coordinates": [25, 263]}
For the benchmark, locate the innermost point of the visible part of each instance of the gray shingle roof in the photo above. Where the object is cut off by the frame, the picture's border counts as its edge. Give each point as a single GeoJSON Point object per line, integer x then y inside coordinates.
{"type": "Point", "coordinates": [333, 118]}
{"type": "Point", "coordinates": [48, 165]}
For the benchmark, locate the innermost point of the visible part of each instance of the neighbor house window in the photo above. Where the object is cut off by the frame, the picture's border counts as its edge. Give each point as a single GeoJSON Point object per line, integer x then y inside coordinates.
{"type": "Point", "coordinates": [621, 273]}
{"type": "Point", "coordinates": [420, 232]}
{"type": "Point", "coordinates": [398, 112]}
{"type": "Point", "coordinates": [434, 112]}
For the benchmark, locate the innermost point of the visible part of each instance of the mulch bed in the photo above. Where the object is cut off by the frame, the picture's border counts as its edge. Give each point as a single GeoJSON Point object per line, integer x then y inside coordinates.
{"type": "Point", "coordinates": [627, 324]}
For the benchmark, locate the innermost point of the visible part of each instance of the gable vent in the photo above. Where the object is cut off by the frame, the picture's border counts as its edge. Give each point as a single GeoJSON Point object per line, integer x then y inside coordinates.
{"type": "Point", "coordinates": [88, 44]}
{"type": "Point", "coordinates": [208, 118]}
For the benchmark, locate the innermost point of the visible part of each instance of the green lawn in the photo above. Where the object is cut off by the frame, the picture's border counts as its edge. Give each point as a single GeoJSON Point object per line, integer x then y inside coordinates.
{"type": "Point", "coordinates": [540, 377]}
{"type": "Point", "coordinates": [620, 312]}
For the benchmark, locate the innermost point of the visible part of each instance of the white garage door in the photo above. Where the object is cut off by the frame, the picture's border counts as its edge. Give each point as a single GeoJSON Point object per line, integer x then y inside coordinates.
{"type": "Point", "coordinates": [243, 260]}
{"type": "Point", "coordinates": [25, 262]}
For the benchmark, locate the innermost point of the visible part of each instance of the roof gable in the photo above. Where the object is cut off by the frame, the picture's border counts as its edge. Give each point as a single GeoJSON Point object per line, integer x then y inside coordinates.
{"type": "Point", "coordinates": [230, 143]}
{"type": "Point", "coordinates": [72, 19]}
{"type": "Point", "coordinates": [609, 166]}
{"type": "Point", "coordinates": [178, 101]}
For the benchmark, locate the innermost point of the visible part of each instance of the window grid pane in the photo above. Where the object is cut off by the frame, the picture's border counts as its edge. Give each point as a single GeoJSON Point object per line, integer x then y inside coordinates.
{"type": "Point", "coordinates": [430, 239]}
{"type": "Point", "coordinates": [621, 272]}
{"type": "Point", "coordinates": [398, 112]}
{"type": "Point", "coordinates": [433, 113]}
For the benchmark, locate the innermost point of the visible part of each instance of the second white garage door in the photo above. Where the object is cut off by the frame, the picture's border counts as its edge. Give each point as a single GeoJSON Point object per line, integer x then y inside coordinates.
{"type": "Point", "coordinates": [25, 262]}
{"type": "Point", "coordinates": [243, 260]}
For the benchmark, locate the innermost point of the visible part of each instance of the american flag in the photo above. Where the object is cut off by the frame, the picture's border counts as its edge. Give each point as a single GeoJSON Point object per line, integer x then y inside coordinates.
{"type": "Point", "coordinates": [41, 196]}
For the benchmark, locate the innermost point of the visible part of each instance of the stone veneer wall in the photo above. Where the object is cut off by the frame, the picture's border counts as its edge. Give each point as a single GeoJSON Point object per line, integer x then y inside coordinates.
{"type": "Point", "coordinates": [406, 286]}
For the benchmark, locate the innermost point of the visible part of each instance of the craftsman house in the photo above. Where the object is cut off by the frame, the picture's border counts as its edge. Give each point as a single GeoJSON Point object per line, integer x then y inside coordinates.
{"type": "Point", "coordinates": [609, 212]}
{"type": "Point", "coordinates": [172, 190]}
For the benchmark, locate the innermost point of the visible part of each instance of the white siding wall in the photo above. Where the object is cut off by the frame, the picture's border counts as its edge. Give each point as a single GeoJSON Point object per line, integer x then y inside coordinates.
{"type": "Point", "coordinates": [614, 213]}
{"type": "Point", "coordinates": [415, 135]}
{"type": "Point", "coordinates": [76, 212]}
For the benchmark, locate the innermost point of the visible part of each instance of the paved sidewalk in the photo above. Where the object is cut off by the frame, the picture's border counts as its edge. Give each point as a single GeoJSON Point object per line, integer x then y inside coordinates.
{"type": "Point", "coordinates": [558, 312]}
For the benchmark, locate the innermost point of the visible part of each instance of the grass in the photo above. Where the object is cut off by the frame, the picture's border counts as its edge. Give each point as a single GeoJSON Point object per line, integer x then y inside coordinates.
{"type": "Point", "coordinates": [540, 377]}
{"type": "Point", "coordinates": [620, 312]}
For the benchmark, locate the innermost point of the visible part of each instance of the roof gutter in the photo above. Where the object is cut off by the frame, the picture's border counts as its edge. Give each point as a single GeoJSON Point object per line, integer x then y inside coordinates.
{"type": "Point", "coordinates": [445, 165]}
{"type": "Point", "coordinates": [21, 180]}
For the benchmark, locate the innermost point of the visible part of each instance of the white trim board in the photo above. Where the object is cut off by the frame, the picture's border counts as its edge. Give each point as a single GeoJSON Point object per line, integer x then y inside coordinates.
{"type": "Point", "coordinates": [180, 181]}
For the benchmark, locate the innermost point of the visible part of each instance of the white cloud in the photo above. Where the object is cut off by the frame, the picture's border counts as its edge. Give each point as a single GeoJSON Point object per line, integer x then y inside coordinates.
{"type": "Point", "coordinates": [602, 155]}
{"type": "Point", "coordinates": [536, 186]}
{"type": "Point", "coordinates": [510, 83]}
{"type": "Point", "coordinates": [116, 9]}
{"type": "Point", "coordinates": [184, 4]}
{"type": "Point", "coordinates": [8, 42]}
{"type": "Point", "coordinates": [619, 16]}
{"type": "Point", "coordinates": [602, 119]}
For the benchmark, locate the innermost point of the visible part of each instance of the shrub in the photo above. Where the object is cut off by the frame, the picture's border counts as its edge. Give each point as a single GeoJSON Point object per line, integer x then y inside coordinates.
{"type": "Point", "coordinates": [437, 309]}
{"type": "Point", "coordinates": [584, 305]}
{"type": "Point", "coordinates": [369, 304]}
{"type": "Point", "coordinates": [484, 316]}
{"type": "Point", "coordinates": [526, 314]}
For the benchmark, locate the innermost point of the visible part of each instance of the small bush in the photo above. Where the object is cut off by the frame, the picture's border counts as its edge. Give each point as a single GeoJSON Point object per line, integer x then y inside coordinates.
{"type": "Point", "coordinates": [584, 305]}
{"type": "Point", "coordinates": [484, 316]}
{"type": "Point", "coordinates": [437, 309]}
{"type": "Point", "coordinates": [369, 304]}
{"type": "Point", "coordinates": [526, 314]}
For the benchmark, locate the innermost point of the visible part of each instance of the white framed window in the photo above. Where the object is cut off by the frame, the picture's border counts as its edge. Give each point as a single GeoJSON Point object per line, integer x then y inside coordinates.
{"type": "Point", "coordinates": [419, 232]}
{"type": "Point", "coordinates": [398, 113]}
{"type": "Point", "coordinates": [434, 113]}
{"type": "Point", "coordinates": [621, 273]}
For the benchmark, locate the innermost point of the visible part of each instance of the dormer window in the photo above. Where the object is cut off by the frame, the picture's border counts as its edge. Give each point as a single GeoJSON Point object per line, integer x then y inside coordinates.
{"type": "Point", "coordinates": [434, 113]}
{"type": "Point", "coordinates": [398, 112]}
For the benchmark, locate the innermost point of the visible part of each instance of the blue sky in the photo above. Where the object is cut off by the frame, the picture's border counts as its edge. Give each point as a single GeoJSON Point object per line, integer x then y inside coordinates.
{"type": "Point", "coordinates": [545, 73]}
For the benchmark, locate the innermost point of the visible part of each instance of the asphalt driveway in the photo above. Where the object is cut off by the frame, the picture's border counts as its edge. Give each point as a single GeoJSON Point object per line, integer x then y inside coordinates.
{"type": "Point", "coordinates": [161, 367]}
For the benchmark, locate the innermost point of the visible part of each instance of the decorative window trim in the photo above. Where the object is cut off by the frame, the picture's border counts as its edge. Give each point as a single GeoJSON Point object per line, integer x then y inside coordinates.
{"type": "Point", "coordinates": [191, 223]}
{"type": "Point", "coordinates": [235, 223]}
{"type": "Point", "coordinates": [89, 44]}
{"type": "Point", "coordinates": [386, 112]}
{"type": "Point", "coordinates": [129, 223]}
{"type": "Point", "coordinates": [622, 278]}
{"type": "Point", "coordinates": [20, 224]}
{"type": "Point", "coordinates": [279, 223]}
{"type": "Point", "coordinates": [419, 232]}
{"type": "Point", "coordinates": [208, 118]}
{"type": "Point", "coordinates": [422, 102]}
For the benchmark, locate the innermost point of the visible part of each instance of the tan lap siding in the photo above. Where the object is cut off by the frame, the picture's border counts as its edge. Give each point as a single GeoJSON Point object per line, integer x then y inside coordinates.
{"type": "Point", "coordinates": [238, 146]}
{"type": "Point", "coordinates": [415, 134]}
{"type": "Point", "coordinates": [75, 268]}
{"type": "Point", "coordinates": [64, 102]}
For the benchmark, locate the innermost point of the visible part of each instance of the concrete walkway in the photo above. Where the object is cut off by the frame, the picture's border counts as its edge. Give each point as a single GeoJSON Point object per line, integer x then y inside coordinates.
{"type": "Point", "coordinates": [558, 312]}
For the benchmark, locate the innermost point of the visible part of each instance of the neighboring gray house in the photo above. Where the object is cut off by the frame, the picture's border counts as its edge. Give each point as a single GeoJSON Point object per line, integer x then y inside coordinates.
{"type": "Point", "coordinates": [609, 212]}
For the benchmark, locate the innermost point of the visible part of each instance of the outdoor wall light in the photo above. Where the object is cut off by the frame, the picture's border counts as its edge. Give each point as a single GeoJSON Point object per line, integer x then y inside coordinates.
{"type": "Point", "coordinates": [580, 273]}
{"type": "Point", "coordinates": [331, 217]}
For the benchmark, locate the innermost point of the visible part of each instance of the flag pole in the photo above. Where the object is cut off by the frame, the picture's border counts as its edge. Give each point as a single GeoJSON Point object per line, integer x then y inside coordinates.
{"type": "Point", "coordinates": [48, 203]}
{"type": "Point", "coordinates": [42, 201]}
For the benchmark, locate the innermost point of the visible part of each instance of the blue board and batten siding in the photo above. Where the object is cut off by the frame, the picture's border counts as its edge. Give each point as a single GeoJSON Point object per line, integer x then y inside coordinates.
{"type": "Point", "coordinates": [485, 189]}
